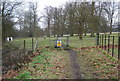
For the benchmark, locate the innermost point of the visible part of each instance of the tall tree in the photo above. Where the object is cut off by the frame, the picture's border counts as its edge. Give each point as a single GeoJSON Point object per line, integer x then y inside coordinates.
{"type": "Point", "coordinates": [110, 9]}
{"type": "Point", "coordinates": [7, 22]}
{"type": "Point", "coordinates": [48, 18]}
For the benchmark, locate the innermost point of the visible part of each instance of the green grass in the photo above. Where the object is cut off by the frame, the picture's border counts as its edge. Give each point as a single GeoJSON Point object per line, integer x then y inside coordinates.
{"type": "Point", "coordinates": [115, 54]}
{"type": "Point", "coordinates": [46, 42]}
{"type": "Point", "coordinates": [25, 75]}
{"type": "Point", "coordinates": [85, 42]}
{"type": "Point", "coordinates": [38, 64]}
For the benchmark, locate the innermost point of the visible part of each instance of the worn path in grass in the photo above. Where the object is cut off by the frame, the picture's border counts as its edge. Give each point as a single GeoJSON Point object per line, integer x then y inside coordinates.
{"type": "Point", "coordinates": [76, 74]}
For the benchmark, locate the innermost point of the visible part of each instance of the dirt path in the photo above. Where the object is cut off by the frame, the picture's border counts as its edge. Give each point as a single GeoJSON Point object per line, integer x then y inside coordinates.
{"type": "Point", "coordinates": [76, 74]}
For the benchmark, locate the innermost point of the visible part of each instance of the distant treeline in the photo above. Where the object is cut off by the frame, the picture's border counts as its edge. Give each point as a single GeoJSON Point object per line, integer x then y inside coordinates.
{"type": "Point", "coordinates": [71, 18]}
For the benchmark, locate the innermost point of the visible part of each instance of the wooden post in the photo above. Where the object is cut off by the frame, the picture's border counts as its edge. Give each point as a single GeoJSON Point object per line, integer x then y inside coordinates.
{"type": "Point", "coordinates": [102, 41]}
{"type": "Point", "coordinates": [24, 44]}
{"type": "Point", "coordinates": [113, 47]}
{"type": "Point", "coordinates": [119, 48]}
{"type": "Point", "coordinates": [97, 38]}
{"type": "Point", "coordinates": [67, 41]}
{"type": "Point", "coordinates": [105, 42]}
{"type": "Point", "coordinates": [32, 45]}
{"type": "Point", "coordinates": [108, 43]}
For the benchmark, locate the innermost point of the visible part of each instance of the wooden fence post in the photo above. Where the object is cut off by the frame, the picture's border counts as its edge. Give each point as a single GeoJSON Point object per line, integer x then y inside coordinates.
{"type": "Point", "coordinates": [24, 44]}
{"type": "Point", "coordinates": [108, 43]}
{"type": "Point", "coordinates": [35, 47]}
{"type": "Point", "coordinates": [119, 48]}
{"type": "Point", "coordinates": [113, 47]}
{"type": "Point", "coordinates": [32, 45]}
{"type": "Point", "coordinates": [97, 38]}
{"type": "Point", "coordinates": [105, 42]}
{"type": "Point", "coordinates": [67, 41]}
{"type": "Point", "coordinates": [102, 41]}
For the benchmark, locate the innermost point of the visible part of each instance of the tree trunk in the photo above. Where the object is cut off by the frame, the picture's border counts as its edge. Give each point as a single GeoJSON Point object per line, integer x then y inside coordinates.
{"type": "Point", "coordinates": [61, 35]}
{"type": "Point", "coordinates": [48, 22]}
{"type": "Point", "coordinates": [92, 35]}
{"type": "Point", "coordinates": [3, 25]}
{"type": "Point", "coordinates": [71, 34]}
{"type": "Point", "coordinates": [111, 26]}
{"type": "Point", "coordinates": [85, 34]}
{"type": "Point", "coordinates": [58, 35]}
{"type": "Point", "coordinates": [110, 32]}
{"type": "Point", "coordinates": [110, 29]}
{"type": "Point", "coordinates": [81, 36]}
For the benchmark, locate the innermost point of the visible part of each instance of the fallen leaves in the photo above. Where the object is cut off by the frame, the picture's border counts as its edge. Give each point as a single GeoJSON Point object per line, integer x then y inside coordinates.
{"type": "Point", "coordinates": [98, 62]}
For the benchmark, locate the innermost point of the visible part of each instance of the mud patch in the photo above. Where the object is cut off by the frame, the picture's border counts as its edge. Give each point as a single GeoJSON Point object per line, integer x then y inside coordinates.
{"type": "Point", "coordinates": [76, 74]}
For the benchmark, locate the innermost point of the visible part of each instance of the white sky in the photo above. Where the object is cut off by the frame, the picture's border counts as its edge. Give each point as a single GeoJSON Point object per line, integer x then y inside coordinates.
{"type": "Point", "coordinates": [43, 3]}
{"type": "Point", "coordinates": [55, 3]}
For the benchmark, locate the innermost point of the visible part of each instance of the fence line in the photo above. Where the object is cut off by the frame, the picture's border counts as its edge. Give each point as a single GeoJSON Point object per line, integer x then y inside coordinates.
{"type": "Point", "coordinates": [106, 42]}
{"type": "Point", "coordinates": [27, 45]}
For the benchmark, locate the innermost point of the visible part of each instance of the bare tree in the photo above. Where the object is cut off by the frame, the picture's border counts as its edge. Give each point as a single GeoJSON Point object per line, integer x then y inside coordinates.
{"type": "Point", "coordinates": [71, 8]}
{"type": "Point", "coordinates": [48, 18]}
{"type": "Point", "coordinates": [110, 9]}
{"type": "Point", "coordinates": [7, 23]}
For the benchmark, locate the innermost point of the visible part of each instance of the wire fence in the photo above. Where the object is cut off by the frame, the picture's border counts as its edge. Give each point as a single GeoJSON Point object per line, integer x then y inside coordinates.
{"type": "Point", "coordinates": [106, 42]}
{"type": "Point", "coordinates": [109, 43]}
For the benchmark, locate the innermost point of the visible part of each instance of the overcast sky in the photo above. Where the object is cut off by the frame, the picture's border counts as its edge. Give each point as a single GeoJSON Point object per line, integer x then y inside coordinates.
{"type": "Point", "coordinates": [56, 3]}
{"type": "Point", "coordinates": [43, 3]}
